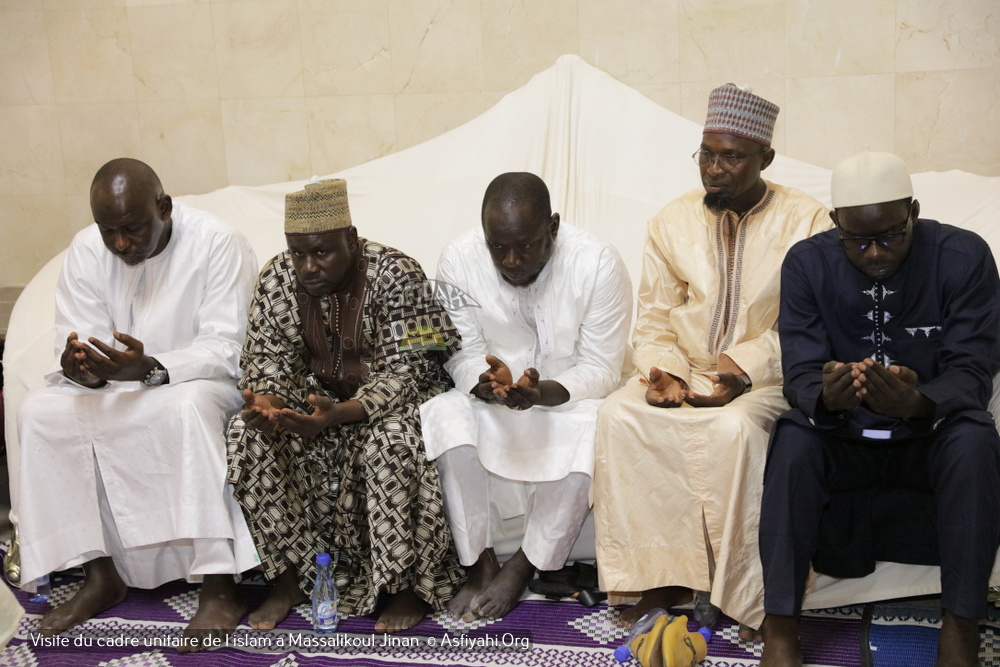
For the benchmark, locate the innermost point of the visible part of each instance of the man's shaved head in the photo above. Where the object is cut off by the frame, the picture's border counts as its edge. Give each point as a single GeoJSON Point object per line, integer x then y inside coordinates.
{"type": "Point", "coordinates": [126, 172]}
{"type": "Point", "coordinates": [518, 188]}
{"type": "Point", "coordinates": [518, 226]}
{"type": "Point", "coordinates": [131, 210]}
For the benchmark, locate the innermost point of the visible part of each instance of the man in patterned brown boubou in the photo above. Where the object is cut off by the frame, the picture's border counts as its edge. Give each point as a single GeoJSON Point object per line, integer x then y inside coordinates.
{"type": "Point", "coordinates": [345, 340]}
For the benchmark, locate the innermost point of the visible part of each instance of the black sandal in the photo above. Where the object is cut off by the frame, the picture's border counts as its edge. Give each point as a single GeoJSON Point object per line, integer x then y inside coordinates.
{"type": "Point", "coordinates": [578, 581]}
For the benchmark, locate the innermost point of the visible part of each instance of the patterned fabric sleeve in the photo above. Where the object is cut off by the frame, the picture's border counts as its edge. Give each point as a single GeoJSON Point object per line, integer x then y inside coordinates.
{"type": "Point", "coordinates": [414, 335]}
{"type": "Point", "coordinates": [272, 354]}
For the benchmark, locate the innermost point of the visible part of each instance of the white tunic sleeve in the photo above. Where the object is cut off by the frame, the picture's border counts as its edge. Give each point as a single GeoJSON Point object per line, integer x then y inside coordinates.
{"type": "Point", "coordinates": [81, 302]}
{"type": "Point", "coordinates": [222, 315]}
{"type": "Point", "coordinates": [603, 333]}
{"type": "Point", "coordinates": [466, 365]}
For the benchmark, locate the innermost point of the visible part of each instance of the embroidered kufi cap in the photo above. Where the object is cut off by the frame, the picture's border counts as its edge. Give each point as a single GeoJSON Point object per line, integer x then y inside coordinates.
{"type": "Point", "coordinates": [870, 178]}
{"type": "Point", "coordinates": [320, 207]}
{"type": "Point", "coordinates": [733, 110]}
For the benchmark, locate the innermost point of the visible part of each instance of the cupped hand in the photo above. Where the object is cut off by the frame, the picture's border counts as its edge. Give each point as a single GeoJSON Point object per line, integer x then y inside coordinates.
{"type": "Point", "coordinates": [107, 363]}
{"type": "Point", "coordinates": [725, 387]}
{"type": "Point", "coordinates": [73, 361]}
{"type": "Point", "coordinates": [497, 375]}
{"type": "Point", "coordinates": [663, 390]}
{"type": "Point", "coordinates": [524, 393]}
{"type": "Point", "coordinates": [307, 425]}
{"type": "Point", "coordinates": [260, 411]}
{"type": "Point", "coordinates": [893, 391]}
{"type": "Point", "coordinates": [842, 386]}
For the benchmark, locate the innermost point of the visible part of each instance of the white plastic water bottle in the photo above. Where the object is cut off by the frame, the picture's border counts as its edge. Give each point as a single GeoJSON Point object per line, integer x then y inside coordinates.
{"type": "Point", "coordinates": [640, 627]}
{"type": "Point", "coordinates": [324, 597]}
{"type": "Point", "coordinates": [706, 614]}
{"type": "Point", "coordinates": [43, 589]}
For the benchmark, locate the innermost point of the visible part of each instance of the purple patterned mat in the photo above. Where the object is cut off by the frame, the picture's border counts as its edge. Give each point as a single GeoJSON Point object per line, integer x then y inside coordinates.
{"type": "Point", "coordinates": [143, 630]}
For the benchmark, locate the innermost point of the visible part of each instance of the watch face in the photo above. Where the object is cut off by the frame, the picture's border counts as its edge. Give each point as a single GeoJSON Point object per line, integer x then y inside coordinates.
{"type": "Point", "coordinates": [156, 377]}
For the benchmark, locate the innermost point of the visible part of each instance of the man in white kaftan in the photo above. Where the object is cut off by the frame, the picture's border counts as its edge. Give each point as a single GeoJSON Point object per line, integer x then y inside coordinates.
{"type": "Point", "coordinates": [677, 491]}
{"type": "Point", "coordinates": [555, 302]}
{"type": "Point", "coordinates": [123, 453]}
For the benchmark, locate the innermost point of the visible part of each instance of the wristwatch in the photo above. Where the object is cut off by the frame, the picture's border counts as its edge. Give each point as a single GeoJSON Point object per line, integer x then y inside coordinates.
{"type": "Point", "coordinates": [745, 381]}
{"type": "Point", "coordinates": [156, 376]}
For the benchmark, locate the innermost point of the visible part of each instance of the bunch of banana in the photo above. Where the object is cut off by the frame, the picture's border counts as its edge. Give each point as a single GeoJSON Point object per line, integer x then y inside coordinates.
{"type": "Point", "coordinates": [669, 644]}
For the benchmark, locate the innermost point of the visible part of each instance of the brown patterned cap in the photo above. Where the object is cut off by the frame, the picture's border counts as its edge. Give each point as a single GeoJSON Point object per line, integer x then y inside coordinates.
{"type": "Point", "coordinates": [733, 110]}
{"type": "Point", "coordinates": [320, 207]}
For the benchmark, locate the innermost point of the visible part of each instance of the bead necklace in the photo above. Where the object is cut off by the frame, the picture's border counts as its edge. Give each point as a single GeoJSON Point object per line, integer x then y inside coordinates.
{"type": "Point", "coordinates": [338, 352]}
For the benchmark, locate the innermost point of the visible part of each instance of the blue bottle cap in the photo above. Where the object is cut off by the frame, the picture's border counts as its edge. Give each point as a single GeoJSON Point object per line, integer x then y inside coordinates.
{"type": "Point", "coordinates": [322, 559]}
{"type": "Point", "coordinates": [623, 653]}
{"type": "Point", "coordinates": [707, 634]}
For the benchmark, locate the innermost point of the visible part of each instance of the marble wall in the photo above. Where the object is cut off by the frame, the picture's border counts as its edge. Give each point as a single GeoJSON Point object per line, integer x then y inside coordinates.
{"type": "Point", "coordinates": [218, 92]}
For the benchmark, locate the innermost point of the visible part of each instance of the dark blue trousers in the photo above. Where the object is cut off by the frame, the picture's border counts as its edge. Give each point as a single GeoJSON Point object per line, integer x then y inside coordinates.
{"type": "Point", "coordinates": [959, 464]}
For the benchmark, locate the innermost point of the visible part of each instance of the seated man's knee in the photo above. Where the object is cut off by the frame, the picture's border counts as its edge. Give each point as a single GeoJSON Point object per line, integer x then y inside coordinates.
{"type": "Point", "coordinates": [969, 445]}
{"type": "Point", "coordinates": [608, 410]}
{"type": "Point", "coordinates": [33, 408]}
{"type": "Point", "coordinates": [734, 421]}
{"type": "Point", "coordinates": [40, 407]}
{"type": "Point", "coordinates": [792, 448]}
{"type": "Point", "coordinates": [394, 439]}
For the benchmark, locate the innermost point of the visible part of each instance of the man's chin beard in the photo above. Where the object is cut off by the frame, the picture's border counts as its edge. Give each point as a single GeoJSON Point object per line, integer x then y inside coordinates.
{"type": "Point", "coordinates": [717, 202]}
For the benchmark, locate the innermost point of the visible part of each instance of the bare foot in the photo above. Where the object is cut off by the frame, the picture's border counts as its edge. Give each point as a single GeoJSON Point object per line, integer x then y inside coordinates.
{"type": "Point", "coordinates": [958, 642]}
{"type": "Point", "coordinates": [102, 589]}
{"type": "Point", "coordinates": [781, 642]}
{"type": "Point", "coordinates": [665, 597]}
{"type": "Point", "coordinates": [748, 634]}
{"type": "Point", "coordinates": [285, 594]}
{"type": "Point", "coordinates": [480, 576]}
{"type": "Point", "coordinates": [220, 608]}
{"type": "Point", "coordinates": [505, 591]}
{"type": "Point", "coordinates": [405, 609]}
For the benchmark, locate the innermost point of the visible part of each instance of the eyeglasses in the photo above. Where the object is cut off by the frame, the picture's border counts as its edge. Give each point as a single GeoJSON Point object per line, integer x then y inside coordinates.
{"type": "Point", "coordinates": [887, 240]}
{"type": "Point", "coordinates": [727, 161]}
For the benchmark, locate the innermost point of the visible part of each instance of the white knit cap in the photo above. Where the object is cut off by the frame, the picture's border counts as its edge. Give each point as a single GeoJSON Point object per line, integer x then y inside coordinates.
{"type": "Point", "coordinates": [870, 178]}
